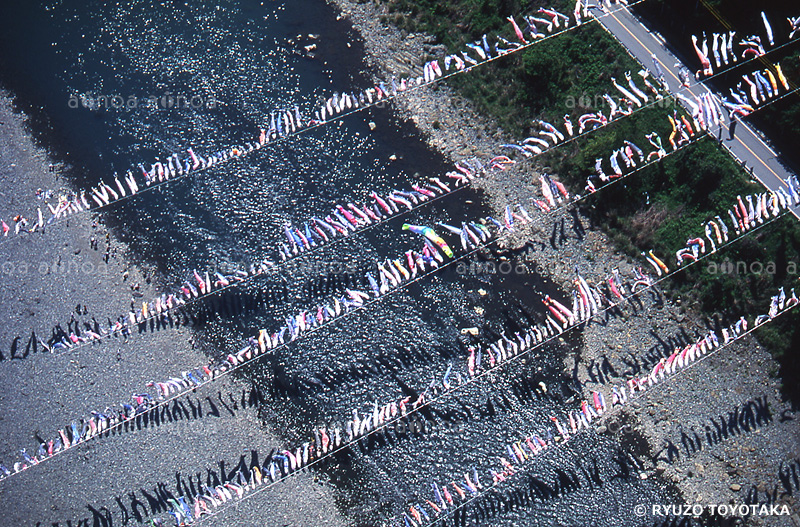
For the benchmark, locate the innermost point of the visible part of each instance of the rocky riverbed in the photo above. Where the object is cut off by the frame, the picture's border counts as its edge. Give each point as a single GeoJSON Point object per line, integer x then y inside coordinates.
{"type": "Point", "coordinates": [123, 477]}
{"type": "Point", "coordinates": [750, 458]}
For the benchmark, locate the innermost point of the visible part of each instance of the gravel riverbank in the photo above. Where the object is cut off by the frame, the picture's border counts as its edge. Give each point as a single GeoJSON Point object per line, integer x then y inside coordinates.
{"type": "Point", "coordinates": [750, 463]}
{"type": "Point", "coordinates": [118, 478]}
{"type": "Point", "coordinates": [122, 479]}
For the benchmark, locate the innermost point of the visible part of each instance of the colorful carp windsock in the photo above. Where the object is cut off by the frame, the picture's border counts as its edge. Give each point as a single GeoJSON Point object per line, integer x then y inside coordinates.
{"type": "Point", "coordinates": [431, 235]}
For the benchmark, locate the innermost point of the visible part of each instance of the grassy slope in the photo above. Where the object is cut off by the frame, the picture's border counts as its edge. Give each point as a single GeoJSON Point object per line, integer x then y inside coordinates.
{"type": "Point", "coordinates": [661, 206]}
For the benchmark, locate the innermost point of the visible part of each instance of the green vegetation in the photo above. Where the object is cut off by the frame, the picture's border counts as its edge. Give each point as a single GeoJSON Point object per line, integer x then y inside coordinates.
{"type": "Point", "coordinates": [548, 80]}
{"type": "Point", "coordinates": [658, 208]}
{"type": "Point", "coordinates": [516, 80]}
{"type": "Point", "coordinates": [457, 21]}
{"type": "Point", "coordinates": [677, 20]}
{"type": "Point", "coordinates": [781, 120]}
{"type": "Point", "coordinates": [664, 205]}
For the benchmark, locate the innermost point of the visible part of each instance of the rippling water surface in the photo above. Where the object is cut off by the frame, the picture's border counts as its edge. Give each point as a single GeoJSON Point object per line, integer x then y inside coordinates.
{"type": "Point", "coordinates": [244, 60]}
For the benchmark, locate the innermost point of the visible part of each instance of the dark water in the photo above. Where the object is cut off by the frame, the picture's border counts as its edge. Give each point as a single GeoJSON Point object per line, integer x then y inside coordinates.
{"type": "Point", "coordinates": [237, 59]}
{"type": "Point", "coordinates": [238, 54]}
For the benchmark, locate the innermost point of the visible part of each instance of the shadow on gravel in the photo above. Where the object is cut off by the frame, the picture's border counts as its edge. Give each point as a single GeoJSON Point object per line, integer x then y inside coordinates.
{"type": "Point", "coordinates": [631, 363]}
{"type": "Point", "coordinates": [143, 503]}
{"type": "Point", "coordinates": [789, 485]}
{"type": "Point", "coordinates": [745, 418]}
{"type": "Point", "coordinates": [533, 490]}
{"type": "Point", "coordinates": [228, 304]}
{"type": "Point", "coordinates": [187, 409]}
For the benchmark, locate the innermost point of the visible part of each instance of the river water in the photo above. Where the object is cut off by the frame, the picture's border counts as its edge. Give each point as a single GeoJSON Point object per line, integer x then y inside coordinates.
{"type": "Point", "coordinates": [234, 62]}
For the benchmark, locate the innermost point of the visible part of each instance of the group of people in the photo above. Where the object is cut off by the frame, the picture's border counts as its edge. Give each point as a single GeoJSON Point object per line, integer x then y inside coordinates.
{"type": "Point", "coordinates": [391, 273]}
{"type": "Point", "coordinates": [284, 122]}
{"type": "Point", "coordinates": [587, 301]}
{"type": "Point", "coordinates": [340, 222]}
{"type": "Point", "coordinates": [158, 308]}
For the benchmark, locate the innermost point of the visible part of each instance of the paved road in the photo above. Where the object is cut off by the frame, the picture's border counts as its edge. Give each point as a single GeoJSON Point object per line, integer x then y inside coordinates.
{"type": "Point", "coordinates": [746, 145]}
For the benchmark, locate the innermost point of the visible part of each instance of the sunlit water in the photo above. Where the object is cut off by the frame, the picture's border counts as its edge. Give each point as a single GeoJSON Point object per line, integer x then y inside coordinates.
{"type": "Point", "coordinates": [235, 63]}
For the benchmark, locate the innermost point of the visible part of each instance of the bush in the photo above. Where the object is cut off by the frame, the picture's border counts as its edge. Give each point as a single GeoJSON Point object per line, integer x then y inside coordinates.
{"type": "Point", "coordinates": [661, 206]}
